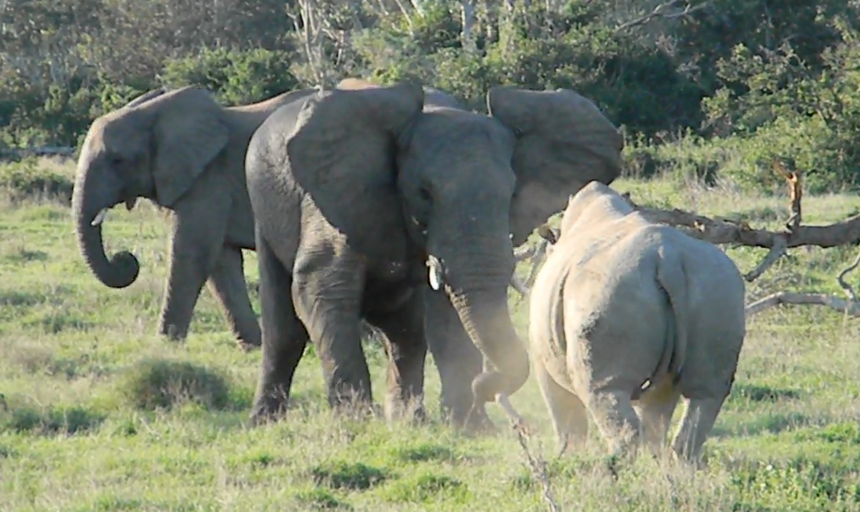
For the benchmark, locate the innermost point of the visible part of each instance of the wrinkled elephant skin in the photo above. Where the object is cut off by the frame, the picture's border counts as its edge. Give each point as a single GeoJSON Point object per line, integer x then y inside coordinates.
{"type": "Point", "coordinates": [392, 205]}
{"type": "Point", "coordinates": [186, 153]}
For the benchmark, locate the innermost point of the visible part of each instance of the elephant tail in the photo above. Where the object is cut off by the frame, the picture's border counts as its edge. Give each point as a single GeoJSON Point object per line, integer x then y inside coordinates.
{"type": "Point", "coordinates": [672, 277]}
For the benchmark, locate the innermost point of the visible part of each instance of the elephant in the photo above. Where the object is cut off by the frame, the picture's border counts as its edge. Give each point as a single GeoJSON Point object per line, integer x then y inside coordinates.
{"type": "Point", "coordinates": [375, 202]}
{"type": "Point", "coordinates": [626, 316]}
{"type": "Point", "coordinates": [186, 153]}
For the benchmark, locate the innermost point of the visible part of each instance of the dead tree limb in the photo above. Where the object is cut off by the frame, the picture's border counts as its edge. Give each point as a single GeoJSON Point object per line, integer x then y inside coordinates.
{"type": "Point", "coordinates": [661, 11]}
{"type": "Point", "coordinates": [849, 290]}
{"type": "Point", "coordinates": [851, 308]}
{"type": "Point", "coordinates": [727, 231]}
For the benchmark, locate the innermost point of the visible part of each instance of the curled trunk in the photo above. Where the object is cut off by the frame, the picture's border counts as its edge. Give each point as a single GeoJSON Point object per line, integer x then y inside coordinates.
{"type": "Point", "coordinates": [122, 268]}
{"type": "Point", "coordinates": [487, 320]}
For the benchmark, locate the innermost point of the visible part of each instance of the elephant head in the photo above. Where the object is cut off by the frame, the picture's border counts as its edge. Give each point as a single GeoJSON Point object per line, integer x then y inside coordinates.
{"type": "Point", "coordinates": [459, 188]}
{"type": "Point", "coordinates": [153, 147]}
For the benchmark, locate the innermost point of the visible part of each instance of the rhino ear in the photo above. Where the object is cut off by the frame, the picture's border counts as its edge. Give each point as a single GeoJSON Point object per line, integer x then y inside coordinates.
{"type": "Point", "coordinates": [563, 142]}
{"type": "Point", "coordinates": [342, 152]}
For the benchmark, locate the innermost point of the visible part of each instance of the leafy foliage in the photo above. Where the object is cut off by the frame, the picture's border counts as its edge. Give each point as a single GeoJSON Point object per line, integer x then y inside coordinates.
{"type": "Point", "coordinates": [744, 81]}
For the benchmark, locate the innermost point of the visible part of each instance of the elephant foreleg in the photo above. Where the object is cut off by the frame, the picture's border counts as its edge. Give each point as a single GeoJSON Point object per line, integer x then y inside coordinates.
{"type": "Point", "coordinates": [227, 283]}
{"type": "Point", "coordinates": [406, 346]}
{"type": "Point", "coordinates": [327, 290]}
{"type": "Point", "coordinates": [194, 249]}
{"type": "Point", "coordinates": [283, 336]}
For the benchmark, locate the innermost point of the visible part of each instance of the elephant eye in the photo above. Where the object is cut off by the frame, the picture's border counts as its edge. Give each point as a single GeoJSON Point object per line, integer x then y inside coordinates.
{"type": "Point", "coordinates": [424, 193]}
{"type": "Point", "coordinates": [116, 160]}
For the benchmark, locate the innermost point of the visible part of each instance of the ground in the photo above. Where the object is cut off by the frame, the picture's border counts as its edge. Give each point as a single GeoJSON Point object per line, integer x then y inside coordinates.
{"type": "Point", "coordinates": [81, 429]}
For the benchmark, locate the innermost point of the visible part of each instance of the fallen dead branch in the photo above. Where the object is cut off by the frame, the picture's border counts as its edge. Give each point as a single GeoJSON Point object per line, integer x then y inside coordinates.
{"type": "Point", "coordinates": [848, 307]}
{"type": "Point", "coordinates": [721, 231]}
{"type": "Point", "coordinates": [727, 231]}
{"type": "Point", "coordinates": [794, 234]}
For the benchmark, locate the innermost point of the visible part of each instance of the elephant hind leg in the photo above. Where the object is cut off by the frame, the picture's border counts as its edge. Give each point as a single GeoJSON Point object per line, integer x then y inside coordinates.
{"type": "Point", "coordinates": [227, 283]}
{"type": "Point", "coordinates": [568, 413]}
{"type": "Point", "coordinates": [406, 346]}
{"type": "Point", "coordinates": [283, 336]}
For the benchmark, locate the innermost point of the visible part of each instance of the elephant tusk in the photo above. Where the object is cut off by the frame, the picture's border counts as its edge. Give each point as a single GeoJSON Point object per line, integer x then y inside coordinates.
{"type": "Point", "coordinates": [129, 203]}
{"type": "Point", "coordinates": [100, 217]}
{"type": "Point", "coordinates": [436, 272]}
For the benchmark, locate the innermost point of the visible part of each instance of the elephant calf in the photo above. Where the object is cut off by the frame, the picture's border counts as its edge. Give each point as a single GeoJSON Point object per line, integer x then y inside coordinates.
{"type": "Point", "coordinates": [627, 313]}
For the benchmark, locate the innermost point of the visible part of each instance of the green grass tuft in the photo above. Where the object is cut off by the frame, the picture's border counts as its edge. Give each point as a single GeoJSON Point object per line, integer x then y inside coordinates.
{"type": "Point", "coordinates": [161, 384]}
{"type": "Point", "coordinates": [320, 499]}
{"type": "Point", "coordinates": [348, 475]}
{"type": "Point", "coordinates": [52, 420]}
{"type": "Point", "coordinates": [427, 487]}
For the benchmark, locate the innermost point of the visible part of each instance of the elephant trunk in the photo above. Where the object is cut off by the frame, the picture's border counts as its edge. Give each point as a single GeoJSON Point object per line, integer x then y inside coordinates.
{"type": "Point", "coordinates": [480, 297]}
{"type": "Point", "coordinates": [88, 204]}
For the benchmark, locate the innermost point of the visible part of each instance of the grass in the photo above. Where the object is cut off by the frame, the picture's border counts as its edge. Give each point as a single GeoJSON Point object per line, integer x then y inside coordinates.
{"type": "Point", "coordinates": [97, 413]}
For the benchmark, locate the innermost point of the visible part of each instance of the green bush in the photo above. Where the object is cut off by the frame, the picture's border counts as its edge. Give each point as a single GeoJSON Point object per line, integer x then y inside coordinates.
{"type": "Point", "coordinates": [27, 179]}
{"type": "Point", "coordinates": [236, 77]}
{"type": "Point", "coordinates": [161, 384]}
{"type": "Point", "coordinates": [17, 416]}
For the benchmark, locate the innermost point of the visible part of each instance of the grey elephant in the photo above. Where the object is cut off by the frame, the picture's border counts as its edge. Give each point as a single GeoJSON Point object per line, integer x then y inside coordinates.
{"type": "Point", "coordinates": [625, 317]}
{"type": "Point", "coordinates": [378, 203]}
{"type": "Point", "coordinates": [186, 153]}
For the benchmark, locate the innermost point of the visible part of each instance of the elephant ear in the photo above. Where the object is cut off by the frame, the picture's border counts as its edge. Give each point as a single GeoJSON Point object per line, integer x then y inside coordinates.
{"type": "Point", "coordinates": [342, 152]}
{"type": "Point", "coordinates": [189, 131]}
{"type": "Point", "coordinates": [143, 98]}
{"type": "Point", "coordinates": [563, 142]}
{"type": "Point", "coordinates": [436, 98]}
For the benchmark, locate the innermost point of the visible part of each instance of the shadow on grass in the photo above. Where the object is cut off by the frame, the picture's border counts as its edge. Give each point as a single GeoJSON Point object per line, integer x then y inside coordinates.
{"type": "Point", "coordinates": [765, 422]}
{"type": "Point", "coordinates": [757, 393]}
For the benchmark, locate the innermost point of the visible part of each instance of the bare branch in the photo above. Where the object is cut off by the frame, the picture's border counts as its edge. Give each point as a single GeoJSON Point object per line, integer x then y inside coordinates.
{"type": "Point", "coordinates": [817, 299]}
{"type": "Point", "coordinates": [524, 253]}
{"type": "Point", "coordinates": [727, 231]}
{"type": "Point", "coordinates": [661, 11]}
{"type": "Point", "coordinates": [776, 252]}
{"type": "Point", "coordinates": [537, 464]}
{"type": "Point", "coordinates": [537, 259]}
{"type": "Point", "coordinates": [518, 285]}
{"type": "Point", "coordinates": [841, 279]}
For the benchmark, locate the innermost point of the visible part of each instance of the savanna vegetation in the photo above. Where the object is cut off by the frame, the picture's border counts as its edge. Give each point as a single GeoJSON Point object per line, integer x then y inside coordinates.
{"type": "Point", "coordinates": [98, 413]}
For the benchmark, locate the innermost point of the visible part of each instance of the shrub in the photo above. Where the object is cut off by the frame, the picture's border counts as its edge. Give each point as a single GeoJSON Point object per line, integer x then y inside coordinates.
{"type": "Point", "coordinates": [27, 179]}
{"type": "Point", "coordinates": [161, 384]}
{"type": "Point", "coordinates": [236, 77]}
{"type": "Point", "coordinates": [20, 417]}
